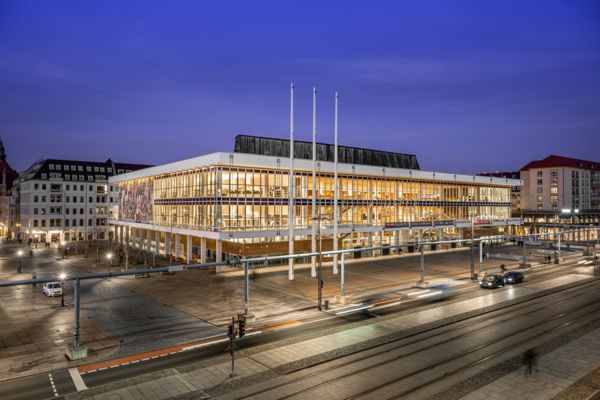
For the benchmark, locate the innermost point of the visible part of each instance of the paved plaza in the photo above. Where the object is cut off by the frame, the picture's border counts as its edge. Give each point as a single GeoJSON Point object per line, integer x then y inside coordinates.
{"type": "Point", "coordinates": [271, 362]}
{"type": "Point", "coordinates": [122, 316]}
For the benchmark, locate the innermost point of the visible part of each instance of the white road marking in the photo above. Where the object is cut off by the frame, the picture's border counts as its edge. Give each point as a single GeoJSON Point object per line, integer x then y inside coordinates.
{"type": "Point", "coordinates": [53, 386]}
{"type": "Point", "coordinates": [197, 346]}
{"type": "Point", "coordinates": [77, 380]}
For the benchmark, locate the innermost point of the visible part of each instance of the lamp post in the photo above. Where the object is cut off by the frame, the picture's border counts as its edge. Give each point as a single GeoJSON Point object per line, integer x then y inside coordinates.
{"type": "Point", "coordinates": [62, 276]}
{"type": "Point", "coordinates": [62, 245]}
{"type": "Point", "coordinates": [20, 256]}
{"type": "Point", "coordinates": [109, 260]}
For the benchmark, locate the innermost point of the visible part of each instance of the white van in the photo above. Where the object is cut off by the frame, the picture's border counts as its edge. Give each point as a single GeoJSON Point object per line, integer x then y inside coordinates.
{"type": "Point", "coordinates": [52, 289]}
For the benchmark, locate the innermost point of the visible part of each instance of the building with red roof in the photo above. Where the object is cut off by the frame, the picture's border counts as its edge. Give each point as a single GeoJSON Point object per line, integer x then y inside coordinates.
{"type": "Point", "coordinates": [561, 183]}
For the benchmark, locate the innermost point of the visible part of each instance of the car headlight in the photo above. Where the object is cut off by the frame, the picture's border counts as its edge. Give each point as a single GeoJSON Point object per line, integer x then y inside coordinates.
{"type": "Point", "coordinates": [480, 282]}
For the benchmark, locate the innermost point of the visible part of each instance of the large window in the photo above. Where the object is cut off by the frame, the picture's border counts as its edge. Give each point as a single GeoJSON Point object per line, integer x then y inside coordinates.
{"type": "Point", "coordinates": [241, 198]}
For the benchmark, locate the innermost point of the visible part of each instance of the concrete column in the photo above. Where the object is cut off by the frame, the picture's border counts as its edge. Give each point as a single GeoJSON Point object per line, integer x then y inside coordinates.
{"type": "Point", "coordinates": [188, 249]}
{"type": "Point", "coordinates": [135, 238]}
{"type": "Point", "coordinates": [168, 244]}
{"type": "Point", "coordinates": [126, 245]}
{"type": "Point", "coordinates": [148, 241]}
{"type": "Point", "coordinates": [219, 255]}
{"type": "Point", "coordinates": [177, 246]}
{"type": "Point", "coordinates": [157, 243]}
{"type": "Point", "coordinates": [202, 250]}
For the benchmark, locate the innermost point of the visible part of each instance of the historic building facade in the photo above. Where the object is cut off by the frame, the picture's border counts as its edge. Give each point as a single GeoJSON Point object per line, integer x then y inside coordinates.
{"type": "Point", "coordinates": [65, 200]}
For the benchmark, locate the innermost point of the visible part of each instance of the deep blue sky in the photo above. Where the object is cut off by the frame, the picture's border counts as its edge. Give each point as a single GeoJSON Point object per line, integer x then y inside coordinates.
{"type": "Point", "coordinates": [466, 85]}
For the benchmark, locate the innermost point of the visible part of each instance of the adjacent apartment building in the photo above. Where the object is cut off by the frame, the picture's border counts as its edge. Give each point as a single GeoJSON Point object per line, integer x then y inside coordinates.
{"type": "Point", "coordinates": [558, 193]}
{"type": "Point", "coordinates": [65, 200]}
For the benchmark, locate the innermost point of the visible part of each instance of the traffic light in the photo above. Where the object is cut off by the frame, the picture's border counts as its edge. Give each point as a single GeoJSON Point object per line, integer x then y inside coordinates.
{"type": "Point", "coordinates": [242, 326]}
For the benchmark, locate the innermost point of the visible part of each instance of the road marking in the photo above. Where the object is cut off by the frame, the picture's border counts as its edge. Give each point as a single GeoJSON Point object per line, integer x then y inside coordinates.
{"type": "Point", "coordinates": [77, 380]}
{"type": "Point", "coordinates": [53, 386]}
{"type": "Point", "coordinates": [197, 346]}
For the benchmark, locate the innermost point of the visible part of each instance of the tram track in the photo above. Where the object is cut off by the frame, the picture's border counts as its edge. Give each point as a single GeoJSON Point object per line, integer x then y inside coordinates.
{"type": "Point", "coordinates": [496, 353]}
{"type": "Point", "coordinates": [423, 336]}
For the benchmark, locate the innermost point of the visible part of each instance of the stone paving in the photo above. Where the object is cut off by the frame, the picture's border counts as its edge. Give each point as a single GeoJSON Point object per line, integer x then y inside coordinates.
{"type": "Point", "coordinates": [555, 372]}
{"type": "Point", "coordinates": [35, 330]}
{"type": "Point", "coordinates": [272, 294]}
{"type": "Point", "coordinates": [268, 359]}
{"type": "Point", "coordinates": [142, 312]}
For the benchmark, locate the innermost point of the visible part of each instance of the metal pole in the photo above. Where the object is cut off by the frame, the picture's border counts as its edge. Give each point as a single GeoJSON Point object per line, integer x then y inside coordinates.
{"type": "Point", "coordinates": [342, 277]}
{"type": "Point", "coordinates": [422, 264]}
{"type": "Point", "coordinates": [232, 344]}
{"type": "Point", "coordinates": [524, 251]}
{"type": "Point", "coordinates": [481, 257]}
{"type": "Point", "coordinates": [76, 295]}
{"type": "Point", "coordinates": [319, 277]}
{"type": "Point", "coordinates": [335, 186]}
{"type": "Point", "coordinates": [471, 248]}
{"type": "Point", "coordinates": [559, 234]}
{"type": "Point", "coordinates": [313, 239]}
{"type": "Point", "coordinates": [291, 189]}
{"type": "Point", "coordinates": [246, 289]}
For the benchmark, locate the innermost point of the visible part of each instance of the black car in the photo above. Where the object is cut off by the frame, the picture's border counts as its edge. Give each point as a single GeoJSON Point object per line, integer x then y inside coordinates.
{"type": "Point", "coordinates": [514, 277]}
{"type": "Point", "coordinates": [492, 281]}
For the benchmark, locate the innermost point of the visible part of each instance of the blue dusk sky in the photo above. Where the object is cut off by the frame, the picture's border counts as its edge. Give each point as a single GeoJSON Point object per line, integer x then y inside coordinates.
{"type": "Point", "coordinates": [467, 86]}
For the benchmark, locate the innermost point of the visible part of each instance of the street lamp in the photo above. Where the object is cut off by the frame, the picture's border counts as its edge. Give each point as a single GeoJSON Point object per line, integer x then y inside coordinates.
{"type": "Point", "coordinates": [62, 245]}
{"type": "Point", "coordinates": [62, 276]}
{"type": "Point", "coordinates": [20, 256]}
{"type": "Point", "coordinates": [109, 260]}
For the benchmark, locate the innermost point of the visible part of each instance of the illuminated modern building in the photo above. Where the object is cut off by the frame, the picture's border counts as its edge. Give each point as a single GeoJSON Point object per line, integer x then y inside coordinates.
{"type": "Point", "coordinates": [238, 203]}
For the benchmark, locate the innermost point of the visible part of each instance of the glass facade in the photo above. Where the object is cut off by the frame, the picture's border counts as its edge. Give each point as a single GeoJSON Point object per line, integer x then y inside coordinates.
{"type": "Point", "coordinates": [232, 198]}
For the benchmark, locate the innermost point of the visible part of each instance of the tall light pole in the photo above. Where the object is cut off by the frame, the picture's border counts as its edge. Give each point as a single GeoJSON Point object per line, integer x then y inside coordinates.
{"type": "Point", "coordinates": [472, 243]}
{"type": "Point", "coordinates": [62, 276]}
{"type": "Point", "coordinates": [20, 257]}
{"type": "Point", "coordinates": [109, 261]}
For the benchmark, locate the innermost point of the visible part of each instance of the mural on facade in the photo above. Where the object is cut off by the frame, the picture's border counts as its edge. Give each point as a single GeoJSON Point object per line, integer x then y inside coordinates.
{"type": "Point", "coordinates": [135, 201]}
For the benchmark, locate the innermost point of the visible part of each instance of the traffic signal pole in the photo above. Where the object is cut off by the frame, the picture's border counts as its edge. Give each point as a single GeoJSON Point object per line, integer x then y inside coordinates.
{"type": "Point", "coordinates": [246, 289]}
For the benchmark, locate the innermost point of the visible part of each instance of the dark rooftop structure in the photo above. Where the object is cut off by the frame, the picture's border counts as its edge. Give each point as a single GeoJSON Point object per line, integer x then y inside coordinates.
{"type": "Point", "coordinates": [561, 161]}
{"type": "Point", "coordinates": [502, 174]}
{"type": "Point", "coordinates": [325, 152]}
{"type": "Point", "coordinates": [87, 170]}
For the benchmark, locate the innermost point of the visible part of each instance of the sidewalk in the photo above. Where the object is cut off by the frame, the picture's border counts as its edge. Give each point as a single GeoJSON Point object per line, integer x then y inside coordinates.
{"type": "Point", "coordinates": [273, 359]}
{"type": "Point", "coordinates": [557, 371]}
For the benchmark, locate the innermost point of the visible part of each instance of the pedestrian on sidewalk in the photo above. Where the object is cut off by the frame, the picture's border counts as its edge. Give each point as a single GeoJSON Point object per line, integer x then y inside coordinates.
{"type": "Point", "coordinates": [502, 268]}
{"type": "Point", "coordinates": [530, 358]}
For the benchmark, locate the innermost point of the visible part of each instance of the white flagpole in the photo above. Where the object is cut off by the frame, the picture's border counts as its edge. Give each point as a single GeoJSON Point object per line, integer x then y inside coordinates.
{"type": "Point", "coordinates": [313, 240]}
{"type": "Point", "coordinates": [335, 188]}
{"type": "Point", "coordinates": [291, 188]}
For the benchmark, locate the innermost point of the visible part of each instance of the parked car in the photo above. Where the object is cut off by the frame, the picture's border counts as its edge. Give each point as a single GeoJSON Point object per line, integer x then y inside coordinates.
{"type": "Point", "coordinates": [492, 281]}
{"type": "Point", "coordinates": [514, 277]}
{"type": "Point", "coordinates": [52, 289]}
